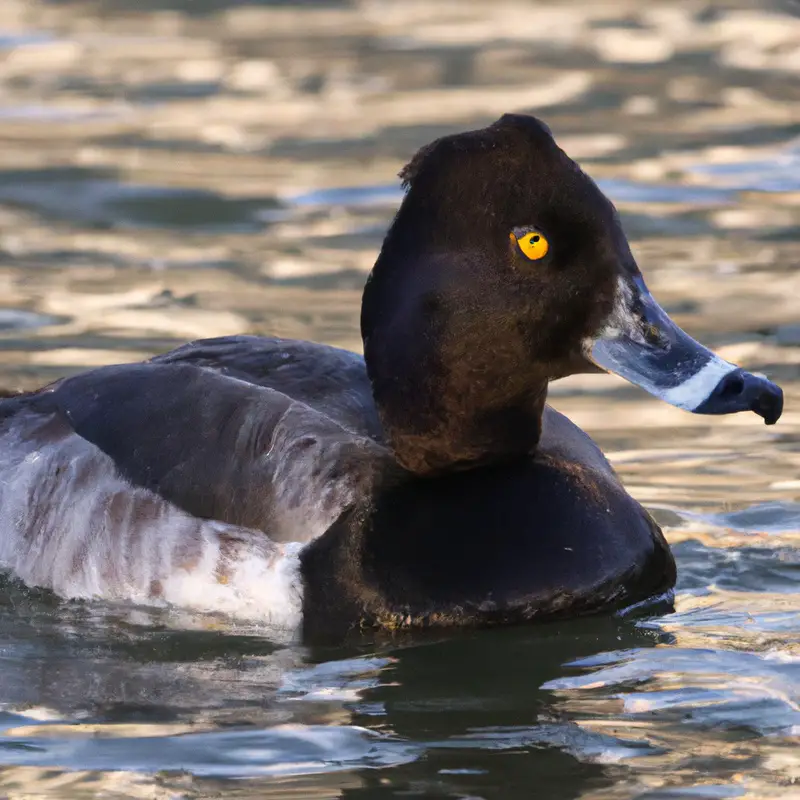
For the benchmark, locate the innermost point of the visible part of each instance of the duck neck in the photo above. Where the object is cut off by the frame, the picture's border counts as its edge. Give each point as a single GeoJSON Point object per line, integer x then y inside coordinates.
{"type": "Point", "coordinates": [448, 426]}
{"type": "Point", "coordinates": [452, 393]}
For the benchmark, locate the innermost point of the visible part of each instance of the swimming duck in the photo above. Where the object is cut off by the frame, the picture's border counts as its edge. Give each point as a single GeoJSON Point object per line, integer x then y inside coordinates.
{"type": "Point", "coordinates": [425, 484]}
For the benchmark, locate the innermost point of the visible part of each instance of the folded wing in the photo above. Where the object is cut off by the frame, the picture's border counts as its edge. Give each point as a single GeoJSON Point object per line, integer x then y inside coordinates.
{"type": "Point", "coordinates": [218, 447]}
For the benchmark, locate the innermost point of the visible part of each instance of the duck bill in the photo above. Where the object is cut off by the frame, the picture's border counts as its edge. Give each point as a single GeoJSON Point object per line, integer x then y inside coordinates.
{"type": "Point", "coordinates": [643, 345]}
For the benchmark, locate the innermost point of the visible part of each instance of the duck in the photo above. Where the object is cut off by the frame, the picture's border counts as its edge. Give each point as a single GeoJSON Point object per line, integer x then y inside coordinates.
{"type": "Point", "coordinates": [425, 484]}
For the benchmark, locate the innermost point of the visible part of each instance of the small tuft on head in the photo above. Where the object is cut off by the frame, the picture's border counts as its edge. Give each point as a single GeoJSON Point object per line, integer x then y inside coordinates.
{"type": "Point", "coordinates": [443, 150]}
{"type": "Point", "coordinates": [508, 127]}
{"type": "Point", "coordinates": [531, 125]}
{"type": "Point", "coordinates": [410, 170]}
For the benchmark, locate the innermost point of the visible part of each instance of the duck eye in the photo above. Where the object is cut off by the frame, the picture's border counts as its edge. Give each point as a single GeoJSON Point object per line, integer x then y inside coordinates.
{"type": "Point", "coordinates": [533, 245]}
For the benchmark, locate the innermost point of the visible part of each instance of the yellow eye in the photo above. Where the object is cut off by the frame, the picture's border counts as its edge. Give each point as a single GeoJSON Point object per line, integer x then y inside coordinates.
{"type": "Point", "coordinates": [532, 244]}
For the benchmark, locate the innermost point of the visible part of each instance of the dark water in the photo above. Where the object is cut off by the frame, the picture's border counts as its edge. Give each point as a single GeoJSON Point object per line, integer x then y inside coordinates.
{"type": "Point", "coordinates": [172, 169]}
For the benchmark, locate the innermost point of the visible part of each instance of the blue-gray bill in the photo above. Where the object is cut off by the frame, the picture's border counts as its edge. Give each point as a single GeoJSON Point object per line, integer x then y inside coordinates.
{"type": "Point", "coordinates": [643, 345]}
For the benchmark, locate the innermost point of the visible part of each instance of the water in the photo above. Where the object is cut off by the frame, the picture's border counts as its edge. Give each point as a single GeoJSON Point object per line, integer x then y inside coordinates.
{"type": "Point", "coordinates": [173, 169]}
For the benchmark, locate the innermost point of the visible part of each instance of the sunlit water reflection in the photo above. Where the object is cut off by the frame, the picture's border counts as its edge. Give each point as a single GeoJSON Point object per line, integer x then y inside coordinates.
{"type": "Point", "coordinates": [172, 169]}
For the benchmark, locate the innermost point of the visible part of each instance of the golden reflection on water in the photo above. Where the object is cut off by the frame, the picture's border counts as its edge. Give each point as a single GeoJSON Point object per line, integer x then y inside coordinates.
{"type": "Point", "coordinates": [172, 170]}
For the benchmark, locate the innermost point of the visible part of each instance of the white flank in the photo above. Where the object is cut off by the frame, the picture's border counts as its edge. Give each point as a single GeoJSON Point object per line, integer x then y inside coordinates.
{"type": "Point", "coordinates": [255, 584]}
{"type": "Point", "coordinates": [69, 523]}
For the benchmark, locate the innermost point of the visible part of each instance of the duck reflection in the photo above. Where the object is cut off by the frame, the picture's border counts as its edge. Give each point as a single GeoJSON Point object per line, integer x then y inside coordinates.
{"type": "Point", "coordinates": [487, 728]}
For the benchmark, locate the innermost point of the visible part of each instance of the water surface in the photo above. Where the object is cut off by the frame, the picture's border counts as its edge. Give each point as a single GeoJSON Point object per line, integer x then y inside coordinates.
{"type": "Point", "coordinates": [173, 169]}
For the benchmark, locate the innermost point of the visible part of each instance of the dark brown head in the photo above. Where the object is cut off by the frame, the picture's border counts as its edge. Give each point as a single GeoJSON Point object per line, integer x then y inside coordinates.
{"type": "Point", "coordinates": [506, 267]}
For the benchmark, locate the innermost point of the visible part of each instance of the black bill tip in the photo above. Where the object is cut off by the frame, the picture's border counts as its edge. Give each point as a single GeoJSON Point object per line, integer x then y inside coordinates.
{"type": "Point", "coordinates": [743, 391]}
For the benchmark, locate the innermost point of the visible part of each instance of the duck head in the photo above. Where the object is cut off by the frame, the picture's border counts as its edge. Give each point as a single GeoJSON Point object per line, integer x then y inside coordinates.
{"type": "Point", "coordinates": [505, 268]}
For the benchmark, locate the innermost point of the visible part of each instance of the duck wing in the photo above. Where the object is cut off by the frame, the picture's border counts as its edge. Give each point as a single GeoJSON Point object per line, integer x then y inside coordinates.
{"type": "Point", "coordinates": [215, 446]}
{"type": "Point", "coordinates": [329, 379]}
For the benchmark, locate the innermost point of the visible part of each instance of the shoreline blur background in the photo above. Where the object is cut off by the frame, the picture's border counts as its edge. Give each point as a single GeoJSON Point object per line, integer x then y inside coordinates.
{"type": "Point", "coordinates": [176, 169]}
